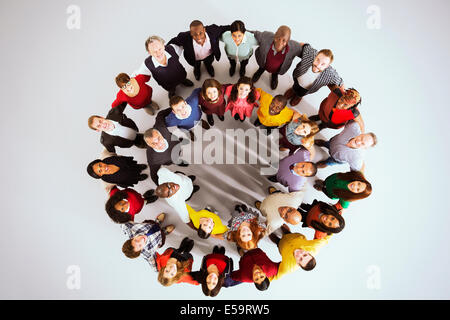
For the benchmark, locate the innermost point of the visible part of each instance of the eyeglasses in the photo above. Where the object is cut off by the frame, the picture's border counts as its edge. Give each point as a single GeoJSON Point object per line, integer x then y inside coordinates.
{"type": "Point", "coordinates": [126, 85]}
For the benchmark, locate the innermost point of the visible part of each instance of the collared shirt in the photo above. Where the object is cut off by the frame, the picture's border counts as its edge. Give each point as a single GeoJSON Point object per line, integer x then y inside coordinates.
{"type": "Point", "coordinates": [154, 239]}
{"type": "Point", "coordinates": [143, 68]}
{"type": "Point", "coordinates": [202, 51]}
{"type": "Point", "coordinates": [341, 152]}
{"type": "Point", "coordinates": [245, 49]}
{"type": "Point", "coordinates": [122, 131]}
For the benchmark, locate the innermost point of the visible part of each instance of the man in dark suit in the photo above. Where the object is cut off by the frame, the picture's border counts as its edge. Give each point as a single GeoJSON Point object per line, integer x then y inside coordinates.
{"type": "Point", "coordinates": [200, 44]}
{"type": "Point", "coordinates": [117, 130]}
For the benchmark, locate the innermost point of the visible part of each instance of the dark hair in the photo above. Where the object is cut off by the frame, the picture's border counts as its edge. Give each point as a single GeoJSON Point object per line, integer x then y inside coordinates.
{"type": "Point", "coordinates": [202, 234]}
{"type": "Point", "coordinates": [195, 23]}
{"type": "Point", "coordinates": [129, 251]}
{"type": "Point", "coordinates": [263, 285]}
{"type": "Point", "coordinates": [281, 98]}
{"type": "Point", "coordinates": [210, 83]}
{"type": "Point", "coordinates": [175, 100]}
{"type": "Point", "coordinates": [346, 194]}
{"type": "Point", "coordinates": [214, 292]}
{"type": "Point", "coordinates": [325, 208]}
{"type": "Point", "coordinates": [311, 264]}
{"type": "Point", "coordinates": [116, 215]}
{"type": "Point", "coordinates": [251, 98]}
{"type": "Point", "coordinates": [237, 25]}
{"type": "Point", "coordinates": [90, 169]}
{"type": "Point", "coordinates": [122, 79]}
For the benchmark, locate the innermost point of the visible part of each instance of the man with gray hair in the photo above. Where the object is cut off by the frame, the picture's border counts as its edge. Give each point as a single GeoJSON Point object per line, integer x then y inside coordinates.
{"type": "Point", "coordinates": [164, 65]}
{"type": "Point", "coordinates": [275, 53]}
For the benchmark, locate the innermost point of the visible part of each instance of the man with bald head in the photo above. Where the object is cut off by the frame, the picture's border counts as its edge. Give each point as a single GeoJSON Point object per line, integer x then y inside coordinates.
{"type": "Point", "coordinates": [200, 43]}
{"type": "Point", "coordinates": [275, 53]}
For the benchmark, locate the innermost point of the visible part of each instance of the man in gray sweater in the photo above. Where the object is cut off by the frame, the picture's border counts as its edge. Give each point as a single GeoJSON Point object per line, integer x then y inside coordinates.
{"type": "Point", "coordinates": [275, 53]}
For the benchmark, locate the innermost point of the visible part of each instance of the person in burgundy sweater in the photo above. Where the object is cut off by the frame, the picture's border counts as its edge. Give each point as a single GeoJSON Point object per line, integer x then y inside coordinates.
{"type": "Point", "coordinates": [325, 219]}
{"type": "Point", "coordinates": [211, 98]}
{"type": "Point", "coordinates": [123, 205]}
{"type": "Point", "coordinates": [256, 267]}
{"type": "Point", "coordinates": [338, 108]}
{"type": "Point", "coordinates": [135, 92]}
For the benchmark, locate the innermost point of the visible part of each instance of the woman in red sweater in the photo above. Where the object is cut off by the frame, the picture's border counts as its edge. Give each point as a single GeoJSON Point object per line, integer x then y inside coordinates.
{"type": "Point", "coordinates": [135, 92]}
{"type": "Point", "coordinates": [175, 265]}
{"type": "Point", "coordinates": [212, 99]}
{"type": "Point", "coordinates": [123, 205]}
{"type": "Point", "coordinates": [242, 98]}
{"type": "Point", "coordinates": [325, 219]}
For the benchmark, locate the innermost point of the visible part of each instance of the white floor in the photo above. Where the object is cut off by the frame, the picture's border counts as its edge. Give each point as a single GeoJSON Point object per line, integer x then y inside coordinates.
{"type": "Point", "coordinates": [394, 245]}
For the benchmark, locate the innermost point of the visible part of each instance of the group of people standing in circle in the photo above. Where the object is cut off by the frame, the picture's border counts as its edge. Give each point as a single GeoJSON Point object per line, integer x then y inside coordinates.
{"type": "Point", "coordinates": [249, 223]}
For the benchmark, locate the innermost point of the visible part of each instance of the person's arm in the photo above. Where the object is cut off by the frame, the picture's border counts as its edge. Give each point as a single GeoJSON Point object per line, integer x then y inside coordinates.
{"type": "Point", "coordinates": [141, 70]}
{"type": "Point", "coordinates": [312, 151]}
{"type": "Point", "coordinates": [363, 167]}
{"type": "Point", "coordinates": [191, 225]}
{"type": "Point", "coordinates": [176, 40]}
{"type": "Point", "coordinates": [178, 49]}
{"type": "Point", "coordinates": [219, 236]}
{"type": "Point", "coordinates": [360, 122]}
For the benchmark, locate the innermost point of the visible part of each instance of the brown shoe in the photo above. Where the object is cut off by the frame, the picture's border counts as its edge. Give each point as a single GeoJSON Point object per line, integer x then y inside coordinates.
{"type": "Point", "coordinates": [295, 100]}
{"type": "Point", "coordinates": [321, 164]}
{"type": "Point", "coordinates": [154, 105]}
{"type": "Point", "coordinates": [168, 229]}
{"type": "Point", "coordinates": [205, 125]}
{"type": "Point", "coordinates": [257, 204]}
{"type": "Point", "coordinates": [289, 94]}
{"type": "Point", "coordinates": [160, 218]}
{"type": "Point", "coordinates": [272, 190]}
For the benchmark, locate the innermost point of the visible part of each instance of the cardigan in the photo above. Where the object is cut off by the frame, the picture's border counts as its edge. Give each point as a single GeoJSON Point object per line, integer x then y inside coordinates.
{"type": "Point", "coordinates": [326, 77]}
{"type": "Point", "coordinates": [344, 154]}
{"type": "Point", "coordinates": [141, 100]}
{"type": "Point", "coordinates": [188, 123]}
{"type": "Point", "coordinates": [195, 216]}
{"type": "Point", "coordinates": [248, 260]}
{"type": "Point", "coordinates": [288, 244]}
{"type": "Point", "coordinates": [185, 40]}
{"type": "Point", "coordinates": [128, 174]}
{"type": "Point", "coordinates": [241, 106]}
{"type": "Point", "coordinates": [242, 52]}
{"type": "Point", "coordinates": [265, 40]}
{"type": "Point", "coordinates": [267, 119]}
{"type": "Point", "coordinates": [134, 198]}
{"type": "Point", "coordinates": [172, 74]}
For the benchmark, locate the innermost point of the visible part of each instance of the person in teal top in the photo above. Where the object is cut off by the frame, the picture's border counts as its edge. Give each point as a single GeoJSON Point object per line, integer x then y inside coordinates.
{"type": "Point", "coordinates": [239, 45]}
{"type": "Point", "coordinates": [346, 187]}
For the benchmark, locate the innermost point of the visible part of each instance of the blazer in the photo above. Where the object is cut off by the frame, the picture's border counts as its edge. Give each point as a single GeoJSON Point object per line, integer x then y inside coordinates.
{"type": "Point", "coordinates": [265, 40]}
{"type": "Point", "coordinates": [110, 142]}
{"type": "Point", "coordinates": [184, 39]}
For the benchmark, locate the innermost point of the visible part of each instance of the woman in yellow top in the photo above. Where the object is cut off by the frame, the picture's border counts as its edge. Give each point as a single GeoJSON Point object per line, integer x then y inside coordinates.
{"type": "Point", "coordinates": [272, 111]}
{"type": "Point", "coordinates": [296, 251]}
{"type": "Point", "coordinates": [206, 223]}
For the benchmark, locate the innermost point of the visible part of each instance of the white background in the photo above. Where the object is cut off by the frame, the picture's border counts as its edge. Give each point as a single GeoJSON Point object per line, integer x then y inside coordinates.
{"type": "Point", "coordinates": [53, 79]}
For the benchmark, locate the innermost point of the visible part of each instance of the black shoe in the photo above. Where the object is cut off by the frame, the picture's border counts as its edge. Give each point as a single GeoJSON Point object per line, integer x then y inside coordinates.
{"type": "Point", "coordinates": [142, 166]}
{"type": "Point", "coordinates": [210, 69]}
{"type": "Point", "coordinates": [257, 74]}
{"type": "Point", "coordinates": [319, 142]}
{"type": "Point", "coordinates": [210, 119]}
{"type": "Point", "coordinates": [171, 93]}
{"type": "Point", "coordinates": [221, 118]}
{"type": "Point", "coordinates": [197, 73]}
{"type": "Point", "coordinates": [232, 70]}
{"type": "Point", "coordinates": [151, 199]}
{"type": "Point", "coordinates": [192, 177]}
{"type": "Point", "coordinates": [274, 81]}
{"type": "Point", "coordinates": [142, 177]}
{"type": "Point", "coordinates": [183, 164]}
{"type": "Point", "coordinates": [191, 136]}
{"type": "Point", "coordinates": [148, 194]}
{"type": "Point", "coordinates": [273, 178]}
{"type": "Point", "coordinates": [242, 71]}
{"type": "Point", "coordinates": [187, 83]}
{"type": "Point", "coordinates": [205, 125]}
{"type": "Point", "coordinates": [196, 188]}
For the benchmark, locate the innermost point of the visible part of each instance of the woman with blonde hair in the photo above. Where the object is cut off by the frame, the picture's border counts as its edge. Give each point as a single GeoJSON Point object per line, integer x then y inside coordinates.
{"type": "Point", "coordinates": [299, 132]}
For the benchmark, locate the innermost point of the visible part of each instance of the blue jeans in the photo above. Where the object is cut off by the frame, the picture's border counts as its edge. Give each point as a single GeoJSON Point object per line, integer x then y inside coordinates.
{"type": "Point", "coordinates": [330, 161]}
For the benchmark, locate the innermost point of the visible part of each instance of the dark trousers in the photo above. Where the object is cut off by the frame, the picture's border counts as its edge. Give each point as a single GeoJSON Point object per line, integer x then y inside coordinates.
{"type": "Point", "coordinates": [207, 61]}
{"type": "Point", "coordinates": [258, 123]}
{"type": "Point", "coordinates": [299, 91]}
{"type": "Point", "coordinates": [243, 63]}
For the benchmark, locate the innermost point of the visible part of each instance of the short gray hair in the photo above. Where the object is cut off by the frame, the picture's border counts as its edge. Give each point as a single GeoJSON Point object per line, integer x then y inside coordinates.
{"type": "Point", "coordinates": [149, 133]}
{"type": "Point", "coordinates": [152, 39]}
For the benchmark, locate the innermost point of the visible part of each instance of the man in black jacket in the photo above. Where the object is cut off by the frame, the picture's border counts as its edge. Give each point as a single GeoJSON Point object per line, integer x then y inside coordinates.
{"type": "Point", "coordinates": [200, 44]}
{"type": "Point", "coordinates": [117, 130]}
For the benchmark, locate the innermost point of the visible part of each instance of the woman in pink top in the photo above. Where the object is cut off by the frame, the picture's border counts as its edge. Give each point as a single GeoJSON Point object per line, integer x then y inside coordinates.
{"type": "Point", "coordinates": [135, 92]}
{"type": "Point", "coordinates": [242, 98]}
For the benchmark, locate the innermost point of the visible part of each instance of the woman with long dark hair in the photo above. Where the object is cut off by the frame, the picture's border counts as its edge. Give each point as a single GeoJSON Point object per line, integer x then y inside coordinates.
{"type": "Point", "coordinates": [325, 219]}
{"type": "Point", "coordinates": [212, 99]}
{"type": "Point", "coordinates": [346, 187]}
{"type": "Point", "coordinates": [242, 98]}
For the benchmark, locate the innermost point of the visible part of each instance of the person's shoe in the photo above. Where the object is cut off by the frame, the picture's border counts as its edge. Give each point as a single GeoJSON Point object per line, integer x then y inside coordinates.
{"type": "Point", "coordinates": [142, 166]}
{"type": "Point", "coordinates": [187, 83]}
{"type": "Point", "coordinates": [160, 218]}
{"type": "Point", "coordinates": [196, 188]}
{"type": "Point", "coordinates": [210, 119]}
{"type": "Point", "coordinates": [274, 81]}
{"type": "Point", "coordinates": [191, 136]}
{"type": "Point", "coordinates": [289, 94]}
{"type": "Point", "coordinates": [285, 228]}
{"type": "Point", "coordinates": [168, 229]}
{"type": "Point", "coordinates": [192, 177]}
{"type": "Point", "coordinates": [257, 74]}
{"type": "Point", "coordinates": [319, 142]}
{"type": "Point", "coordinates": [171, 93]}
{"type": "Point", "coordinates": [142, 177]}
{"type": "Point", "coordinates": [154, 105]}
{"type": "Point", "coordinates": [322, 126]}
{"type": "Point", "coordinates": [221, 118]}
{"type": "Point", "coordinates": [211, 209]}
{"type": "Point", "coordinates": [210, 69]}
{"type": "Point", "coordinates": [149, 110]}
{"type": "Point", "coordinates": [318, 185]}
{"type": "Point", "coordinates": [274, 238]}
{"type": "Point", "coordinates": [244, 207]}
{"type": "Point", "coordinates": [183, 164]}
{"type": "Point", "coordinates": [321, 164]}
{"type": "Point", "coordinates": [257, 204]}
{"type": "Point", "coordinates": [284, 149]}
{"type": "Point", "coordinates": [151, 199]}
{"type": "Point", "coordinates": [241, 251]}
{"type": "Point", "coordinates": [295, 100]}
{"type": "Point", "coordinates": [197, 73]}
{"type": "Point", "coordinates": [272, 190]}
{"type": "Point", "coordinates": [273, 178]}
{"type": "Point", "coordinates": [232, 70]}
{"type": "Point", "coordinates": [205, 125]}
